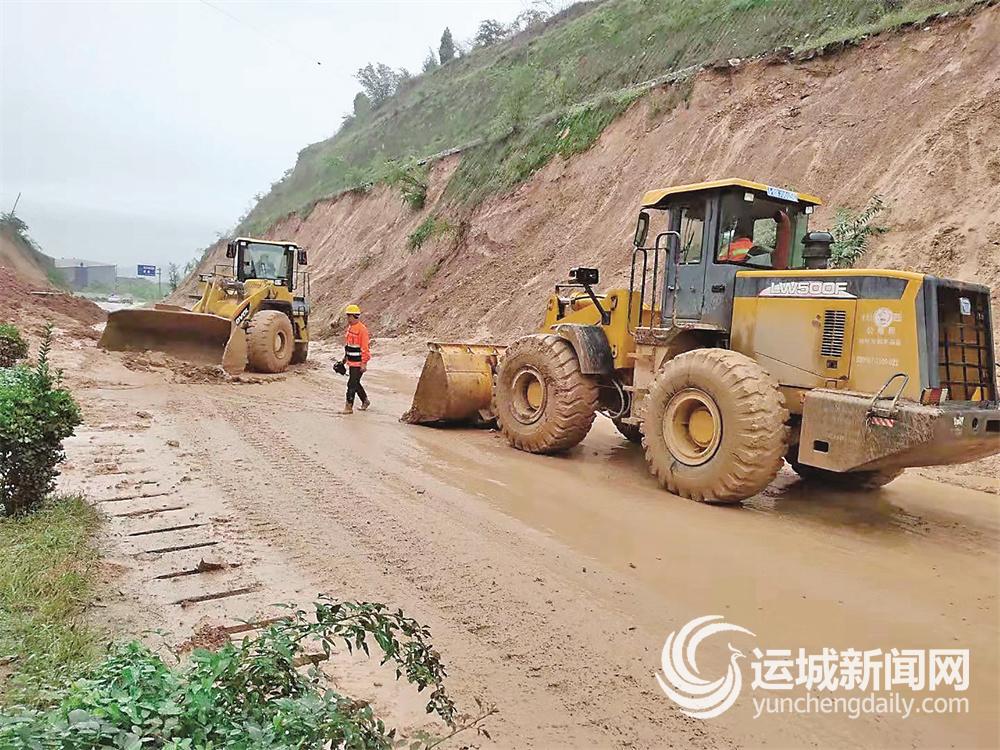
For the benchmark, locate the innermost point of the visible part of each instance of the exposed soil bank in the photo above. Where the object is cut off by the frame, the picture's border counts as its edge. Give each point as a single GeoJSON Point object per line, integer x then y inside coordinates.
{"type": "Point", "coordinates": [913, 116]}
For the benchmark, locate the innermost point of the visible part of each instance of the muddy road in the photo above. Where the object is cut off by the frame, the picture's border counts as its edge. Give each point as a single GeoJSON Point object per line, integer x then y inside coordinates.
{"type": "Point", "coordinates": [549, 583]}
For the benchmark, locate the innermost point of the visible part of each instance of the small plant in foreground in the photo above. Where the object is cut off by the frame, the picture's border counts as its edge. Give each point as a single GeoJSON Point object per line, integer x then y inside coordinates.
{"type": "Point", "coordinates": [852, 232]}
{"type": "Point", "coordinates": [12, 346]}
{"type": "Point", "coordinates": [244, 695]}
{"type": "Point", "coordinates": [35, 417]}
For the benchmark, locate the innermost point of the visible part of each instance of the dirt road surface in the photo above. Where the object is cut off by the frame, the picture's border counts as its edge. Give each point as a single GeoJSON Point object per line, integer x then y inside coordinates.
{"type": "Point", "coordinates": [549, 583]}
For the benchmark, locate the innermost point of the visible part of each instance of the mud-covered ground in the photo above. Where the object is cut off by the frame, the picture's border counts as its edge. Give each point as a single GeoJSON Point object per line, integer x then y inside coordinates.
{"type": "Point", "coordinates": [549, 583]}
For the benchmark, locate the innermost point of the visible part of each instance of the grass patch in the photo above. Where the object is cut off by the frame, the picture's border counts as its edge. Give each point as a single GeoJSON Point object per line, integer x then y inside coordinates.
{"type": "Point", "coordinates": [431, 227]}
{"type": "Point", "coordinates": [46, 577]}
{"type": "Point", "coordinates": [499, 165]}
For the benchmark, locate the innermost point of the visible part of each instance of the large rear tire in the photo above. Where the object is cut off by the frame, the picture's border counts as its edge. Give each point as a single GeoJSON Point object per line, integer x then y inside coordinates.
{"type": "Point", "coordinates": [270, 341]}
{"type": "Point", "coordinates": [714, 426]}
{"type": "Point", "coordinates": [543, 403]}
{"type": "Point", "coordinates": [861, 481]}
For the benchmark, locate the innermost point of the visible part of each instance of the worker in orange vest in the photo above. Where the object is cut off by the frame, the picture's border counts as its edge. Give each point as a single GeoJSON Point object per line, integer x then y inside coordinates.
{"type": "Point", "coordinates": [356, 356]}
{"type": "Point", "coordinates": [738, 247]}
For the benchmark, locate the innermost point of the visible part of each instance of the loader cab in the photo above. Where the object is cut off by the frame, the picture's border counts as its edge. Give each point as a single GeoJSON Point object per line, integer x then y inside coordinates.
{"type": "Point", "coordinates": [699, 236]}
{"type": "Point", "coordinates": [277, 262]}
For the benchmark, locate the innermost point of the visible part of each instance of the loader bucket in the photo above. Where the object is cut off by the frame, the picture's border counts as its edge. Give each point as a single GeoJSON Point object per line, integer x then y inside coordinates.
{"type": "Point", "coordinates": [193, 337]}
{"type": "Point", "coordinates": [456, 385]}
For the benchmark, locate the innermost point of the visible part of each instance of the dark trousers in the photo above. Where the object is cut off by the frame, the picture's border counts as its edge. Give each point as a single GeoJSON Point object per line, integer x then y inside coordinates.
{"type": "Point", "coordinates": [354, 386]}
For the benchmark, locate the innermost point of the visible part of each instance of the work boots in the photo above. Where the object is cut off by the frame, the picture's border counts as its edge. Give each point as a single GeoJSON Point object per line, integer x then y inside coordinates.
{"type": "Point", "coordinates": [365, 404]}
{"type": "Point", "coordinates": [348, 408]}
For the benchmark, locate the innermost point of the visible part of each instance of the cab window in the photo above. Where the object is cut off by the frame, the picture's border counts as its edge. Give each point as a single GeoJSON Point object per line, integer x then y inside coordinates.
{"type": "Point", "coordinates": [751, 230]}
{"type": "Point", "coordinates": [261, 261]}
{"type": "Point", "coordinates": [692, 230]}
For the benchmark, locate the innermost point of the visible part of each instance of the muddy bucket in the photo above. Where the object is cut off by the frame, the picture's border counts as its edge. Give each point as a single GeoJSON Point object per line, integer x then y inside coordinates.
{"type": "Point", "coordinates": [456, 385]}
{"type": "Point", "coordinates": [198, 338]}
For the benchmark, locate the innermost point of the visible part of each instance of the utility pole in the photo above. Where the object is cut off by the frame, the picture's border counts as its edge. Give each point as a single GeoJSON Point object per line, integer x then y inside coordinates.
{"type": "Point", "coordinates": [159, 281]}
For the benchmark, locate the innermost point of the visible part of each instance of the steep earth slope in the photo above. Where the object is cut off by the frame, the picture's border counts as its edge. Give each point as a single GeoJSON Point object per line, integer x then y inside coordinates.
{"type": "Point", "coordinates": [911, 116]}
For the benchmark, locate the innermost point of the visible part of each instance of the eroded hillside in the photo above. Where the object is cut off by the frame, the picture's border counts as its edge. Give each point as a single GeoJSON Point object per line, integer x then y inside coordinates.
{"type": "Point", "coordinates": [912, 116]}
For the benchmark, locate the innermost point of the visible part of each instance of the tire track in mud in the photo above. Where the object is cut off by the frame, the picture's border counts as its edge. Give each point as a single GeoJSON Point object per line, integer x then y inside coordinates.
{"type": "Point", "coordinates": [448, 570]}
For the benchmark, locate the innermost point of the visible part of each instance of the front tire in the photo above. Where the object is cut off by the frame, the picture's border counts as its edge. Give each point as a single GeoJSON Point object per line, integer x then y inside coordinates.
{"type": "Point", "coordinates": [270, 341]}
{"type": "Point", "coordinates": [542, 401]}
{"type": "Point", "coordinates": [714, 426]}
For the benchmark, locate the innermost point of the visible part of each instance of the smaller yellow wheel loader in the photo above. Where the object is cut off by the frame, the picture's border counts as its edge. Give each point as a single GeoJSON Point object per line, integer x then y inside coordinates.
{"type": "Point", "coordinates": [736, 348]}
{"type": "Point", "coordinates": [254, 313]}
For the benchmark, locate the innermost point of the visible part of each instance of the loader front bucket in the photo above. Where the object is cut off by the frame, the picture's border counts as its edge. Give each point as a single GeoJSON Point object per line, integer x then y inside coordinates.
{"type": "Point", "coordinates": [198, 338]}
{"type": "Point", "coordinates": [456, 385]}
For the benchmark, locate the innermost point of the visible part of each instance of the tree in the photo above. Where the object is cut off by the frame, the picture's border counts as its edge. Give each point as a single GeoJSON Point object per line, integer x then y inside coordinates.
{"type": "Point", "coordinates": [430, 62]}
{"type": "Point", "coordinates": [379, 81]}
{"type": "Point", "coordinates": [173, 276]}
{"type": "Point", "coordinates": [490, 32]}
{"type": "Point", "coordinates": [447, 49]}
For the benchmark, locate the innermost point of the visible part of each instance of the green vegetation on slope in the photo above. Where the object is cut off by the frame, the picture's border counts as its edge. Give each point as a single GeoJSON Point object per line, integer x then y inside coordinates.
{"type": "Point", "coordinates": [588, 52]}
{"type": "Point", "coordinates": [47, 567]}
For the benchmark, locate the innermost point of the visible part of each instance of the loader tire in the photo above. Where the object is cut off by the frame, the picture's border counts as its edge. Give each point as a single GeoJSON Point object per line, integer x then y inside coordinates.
{"type": "Point", "coordinates": [300, 353]}
{"type": "Point", "coordinates": [860, 481]}
{"type": "Point", "coordinates": [714, 427]}
{"type": "Point", "coordinates": [270, 341]}
{"type": "Point", "coordinates": [542, 401]}
{"type": "Point", "coordinates": [631, 432]}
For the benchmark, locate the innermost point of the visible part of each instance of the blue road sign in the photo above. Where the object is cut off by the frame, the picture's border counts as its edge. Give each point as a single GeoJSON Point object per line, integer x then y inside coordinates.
{"type": "Point", "coordinates": [146, 271]}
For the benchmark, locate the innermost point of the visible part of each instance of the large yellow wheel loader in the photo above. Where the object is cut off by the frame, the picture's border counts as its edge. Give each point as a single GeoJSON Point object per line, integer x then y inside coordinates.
{"type": "Point", "coordinates": [736, 348]}
{"type": "Point", "coordinates": [254, 313]}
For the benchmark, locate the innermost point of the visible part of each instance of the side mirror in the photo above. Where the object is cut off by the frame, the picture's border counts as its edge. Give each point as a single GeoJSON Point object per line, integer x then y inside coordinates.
{"type": "Point", "coordinates": [302, 258]}
{"type": "Point", "coordinates": [641, 229]}
{"type": "Point", "coordinates": [231, 249]}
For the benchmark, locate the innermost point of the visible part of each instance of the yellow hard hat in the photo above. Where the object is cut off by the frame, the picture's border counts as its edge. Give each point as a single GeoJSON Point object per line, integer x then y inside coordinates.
{"type": "Point", "coordinates": [353, 310]}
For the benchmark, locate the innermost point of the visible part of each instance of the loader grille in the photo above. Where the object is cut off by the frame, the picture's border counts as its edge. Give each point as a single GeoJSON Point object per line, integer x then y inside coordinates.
{"type": "Point", "coordinates": [965, 349]}
{"type": "Point", "coordinates": [834, 323]}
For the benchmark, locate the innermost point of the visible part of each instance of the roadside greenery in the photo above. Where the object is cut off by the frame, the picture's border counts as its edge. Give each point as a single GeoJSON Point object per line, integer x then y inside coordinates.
{"type": "Point", "coordinates": [409, 177]}
{"type": "Point", "coordinates": [47, 567]}
{"type": "Point", "coordinates": [245, 695]}
{"type": "Point", "coordinates": [852, 232]}
{"type": "Point", "coordinates": [36, 415]}
{"type": "Point", "coordinates": [12, 346]}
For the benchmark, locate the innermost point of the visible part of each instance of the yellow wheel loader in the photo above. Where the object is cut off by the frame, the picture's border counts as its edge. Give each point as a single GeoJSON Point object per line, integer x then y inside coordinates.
{"type": "Point", "coordinates": [736, 348]}
{"type": "Point", "coordinates": [254, 313]}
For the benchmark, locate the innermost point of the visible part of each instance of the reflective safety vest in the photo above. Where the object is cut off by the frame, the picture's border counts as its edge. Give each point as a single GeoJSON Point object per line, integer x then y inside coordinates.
{"type": "Point", "coordinates": [356, 345]}
{"type": "Point", "coordinates": [736, 250]}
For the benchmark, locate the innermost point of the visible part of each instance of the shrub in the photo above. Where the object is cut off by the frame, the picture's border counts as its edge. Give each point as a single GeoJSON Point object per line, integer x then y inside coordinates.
{"type": "Point", "coordinates": [429, 228]}
{"type": "Point", "coordinates": [852, 232]}
{"type": "Point", "coordinates": [35, 417]}
{"type": "Point", "coordinates": [411, 179]}
{"type": "Point", "coordinates": [12, 346]}
{"type": "Point", "coordinates": [244, 695]}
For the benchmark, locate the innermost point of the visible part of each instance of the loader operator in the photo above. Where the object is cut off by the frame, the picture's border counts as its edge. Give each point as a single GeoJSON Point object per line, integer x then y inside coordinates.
{"type": "Point", "coordinates": [356, 356]}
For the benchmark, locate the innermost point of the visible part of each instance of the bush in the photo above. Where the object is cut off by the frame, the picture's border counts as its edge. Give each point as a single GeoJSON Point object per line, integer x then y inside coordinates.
{"type": "Point", "coordinates": [35, 417]}
{"type": "Point", "coordinates": [411, 179]}
{"type": "Point", "coordinates": [852, 232]}
{"type": "Point", "coordinates": [244, 695]}
{"type": "Point", "coordinates": [12, 346]}
{"type": "Point", "coordinates": [429, 228]}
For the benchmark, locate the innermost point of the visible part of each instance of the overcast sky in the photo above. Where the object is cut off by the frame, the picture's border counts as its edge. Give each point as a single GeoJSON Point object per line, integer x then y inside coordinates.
{"type": "Point", "coordinates": [136, 131]}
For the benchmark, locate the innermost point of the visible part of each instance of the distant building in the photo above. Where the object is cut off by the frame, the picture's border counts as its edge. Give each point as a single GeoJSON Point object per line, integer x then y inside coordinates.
{"type": "Point", "coordinates": [81, 273]}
